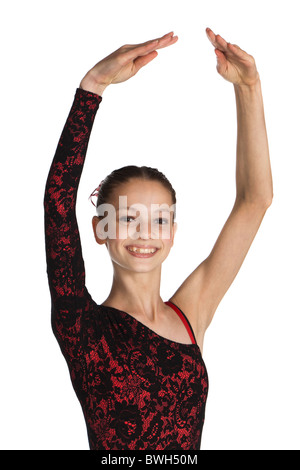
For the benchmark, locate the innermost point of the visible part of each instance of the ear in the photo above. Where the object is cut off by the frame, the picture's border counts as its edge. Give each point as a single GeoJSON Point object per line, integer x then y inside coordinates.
{"type": "Point", "coordinates": [97, 232]}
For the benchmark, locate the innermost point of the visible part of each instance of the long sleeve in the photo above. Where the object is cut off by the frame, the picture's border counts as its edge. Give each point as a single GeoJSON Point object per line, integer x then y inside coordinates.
{"type": "Point", "coordinates": [65, 265]}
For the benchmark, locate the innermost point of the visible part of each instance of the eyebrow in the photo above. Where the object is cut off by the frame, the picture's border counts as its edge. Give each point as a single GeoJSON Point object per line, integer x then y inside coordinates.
{"type": "Point", "coordinates": [157, 210]}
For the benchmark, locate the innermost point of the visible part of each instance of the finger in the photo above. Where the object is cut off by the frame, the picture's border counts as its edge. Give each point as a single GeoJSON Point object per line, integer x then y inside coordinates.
{"type": "Point", "coordinates": [237, 51]}
{"type": "Point", "coordinates": [166, 42]}
{"type": "Point", "coordinates": [144, 60]}
{"type": "Point", "coordinates": [221, 43]}
{"type": "Point", "coordinates": [166, 36]}
{"type": "Point", "coordinates": [143, 49]}
{"type": "Point", "coordinates": [211, 36]}
{"type": "Point", "coordinates": [221, 62]}
{"type": "Point", "coordinates": [217, 40]}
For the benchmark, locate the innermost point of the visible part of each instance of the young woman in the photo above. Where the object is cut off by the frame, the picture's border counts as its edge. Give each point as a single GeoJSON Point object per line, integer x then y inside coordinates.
{"type": "Point", "coordinates": [135, 361]}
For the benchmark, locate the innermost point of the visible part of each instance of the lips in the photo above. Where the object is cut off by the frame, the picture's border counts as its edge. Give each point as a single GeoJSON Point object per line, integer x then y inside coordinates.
{"type": "Point", "coordinates": [142, 251]}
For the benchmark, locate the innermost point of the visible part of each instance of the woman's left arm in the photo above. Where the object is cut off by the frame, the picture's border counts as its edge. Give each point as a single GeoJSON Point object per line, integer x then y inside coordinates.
{"type": "Point", "coordinates": [209, 282]}
{"type": "Point", "coordinates": [253, 169]}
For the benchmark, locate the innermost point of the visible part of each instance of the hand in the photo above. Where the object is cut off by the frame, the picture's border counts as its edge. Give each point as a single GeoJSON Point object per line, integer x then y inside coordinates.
{"type": "Point", "coordinates": [234, 64]}
{"type": "Point", "coordinates": [124, 63]}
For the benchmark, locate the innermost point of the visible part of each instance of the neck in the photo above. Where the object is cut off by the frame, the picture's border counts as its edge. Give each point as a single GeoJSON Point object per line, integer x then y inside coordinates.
{"type": "Point", "coordinates": [136, 292]}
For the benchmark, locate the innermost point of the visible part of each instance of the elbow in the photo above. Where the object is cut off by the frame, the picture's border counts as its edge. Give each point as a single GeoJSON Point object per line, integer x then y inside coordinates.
{"type": "Point", "coordinates": [268, 201]}
{"type": "Point", "coordinates": [261, 203]}
{"type": "Point", "coordinates": [265, 203]}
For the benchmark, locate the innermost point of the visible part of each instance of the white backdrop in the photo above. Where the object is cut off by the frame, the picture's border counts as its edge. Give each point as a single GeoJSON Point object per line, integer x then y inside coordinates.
{"type": "Point", "coordinates": [177, 114]}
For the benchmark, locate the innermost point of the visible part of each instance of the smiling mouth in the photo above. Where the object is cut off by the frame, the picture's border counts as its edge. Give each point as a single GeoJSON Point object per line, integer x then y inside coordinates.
{"type": "Point", "coordinates": [140, 252]}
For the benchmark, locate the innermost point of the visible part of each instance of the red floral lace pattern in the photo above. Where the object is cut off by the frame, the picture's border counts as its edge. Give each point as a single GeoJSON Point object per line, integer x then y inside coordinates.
{"type": "Point", "coordinates": [137, 389]}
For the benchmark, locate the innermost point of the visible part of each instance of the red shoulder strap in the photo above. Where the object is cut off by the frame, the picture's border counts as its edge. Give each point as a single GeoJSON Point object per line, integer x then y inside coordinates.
{"type": "Point", "coordinates": [184, 320]}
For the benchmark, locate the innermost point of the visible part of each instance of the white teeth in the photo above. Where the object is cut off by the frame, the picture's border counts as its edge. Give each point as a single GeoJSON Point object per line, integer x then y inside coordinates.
{"type": "Point", "coordinates": [141, 250]}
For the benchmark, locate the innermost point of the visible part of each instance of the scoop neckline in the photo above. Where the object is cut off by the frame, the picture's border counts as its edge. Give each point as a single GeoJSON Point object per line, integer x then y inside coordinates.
{"type": "Point", "coordinates": [185, 345]}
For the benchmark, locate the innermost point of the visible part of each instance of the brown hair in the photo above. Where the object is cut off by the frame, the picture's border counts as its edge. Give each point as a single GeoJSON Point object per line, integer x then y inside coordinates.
{"type": "Point", "coordinates": [126, 173]}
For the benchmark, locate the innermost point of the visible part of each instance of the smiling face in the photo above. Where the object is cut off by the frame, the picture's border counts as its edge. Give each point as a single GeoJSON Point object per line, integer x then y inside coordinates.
{"type": "Point", "coordinates": [139, 232]}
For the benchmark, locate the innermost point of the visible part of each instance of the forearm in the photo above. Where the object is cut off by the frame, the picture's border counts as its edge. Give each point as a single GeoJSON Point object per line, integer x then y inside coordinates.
{"type": "Point", "coordinates": [253, 169]}
{"type": "Point", "coordinates": [67, 164]}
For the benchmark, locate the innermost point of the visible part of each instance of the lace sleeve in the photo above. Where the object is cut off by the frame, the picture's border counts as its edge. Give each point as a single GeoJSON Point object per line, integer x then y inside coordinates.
{"type": "Point", "coordinates": [65, 265]}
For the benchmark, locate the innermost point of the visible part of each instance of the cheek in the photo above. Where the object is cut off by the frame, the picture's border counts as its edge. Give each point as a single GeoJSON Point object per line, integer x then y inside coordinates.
{"type": "Point", "coordinates": [166, 233]}
{"type": "Point", "coordinates": [168, 245]}
{"type": "Point", "coordinates": [114, 248]}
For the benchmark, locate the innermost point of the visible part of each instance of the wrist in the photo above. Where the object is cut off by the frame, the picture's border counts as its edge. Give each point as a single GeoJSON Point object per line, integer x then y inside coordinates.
{"type": "Point", "coordinates": [88, 83]}
{"type": "Point", "coordinates": [252, 86]}
{"type": "Point", "coordinates": [248, 97]}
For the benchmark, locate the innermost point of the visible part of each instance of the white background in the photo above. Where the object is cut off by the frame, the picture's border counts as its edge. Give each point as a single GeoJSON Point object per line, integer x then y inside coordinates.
{"type": "Point", "coordinates": [176, 114]}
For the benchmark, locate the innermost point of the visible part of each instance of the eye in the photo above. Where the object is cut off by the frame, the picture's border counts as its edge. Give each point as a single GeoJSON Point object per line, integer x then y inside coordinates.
{"type": "Point", "coordinates": [125, 218]}
{"type": "Point", "coordinates": [162, 221]}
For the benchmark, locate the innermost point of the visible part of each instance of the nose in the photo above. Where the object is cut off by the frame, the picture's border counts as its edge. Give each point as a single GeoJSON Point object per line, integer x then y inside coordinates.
{"type": "Point", "coordinates": [146, 231]}
{"type": "Point", "coordinates": [142, 230]}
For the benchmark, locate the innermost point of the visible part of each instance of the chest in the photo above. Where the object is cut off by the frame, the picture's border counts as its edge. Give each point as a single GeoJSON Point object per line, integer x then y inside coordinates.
{"type": "Point", "coordinates": [143, 390]}
{"type": "Point", "coordinates": [127, 358]}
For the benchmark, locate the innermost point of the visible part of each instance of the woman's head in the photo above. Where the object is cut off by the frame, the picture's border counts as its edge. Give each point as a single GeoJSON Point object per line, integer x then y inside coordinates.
{"type": "Point", "coordinates": [136, 209]}
{"type": "Point", "coordinates": [130, 172]}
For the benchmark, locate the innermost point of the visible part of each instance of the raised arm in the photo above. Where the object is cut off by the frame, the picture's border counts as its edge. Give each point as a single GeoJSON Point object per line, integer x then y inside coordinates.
{"type": "Point", "coordinates": [65, 265]}
{"type": "Point", "coordinates": [201, 293]}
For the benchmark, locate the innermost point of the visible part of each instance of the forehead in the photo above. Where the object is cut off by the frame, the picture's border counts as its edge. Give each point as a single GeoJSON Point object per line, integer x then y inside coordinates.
{"type": "Point", "coordinates": [145, 192]}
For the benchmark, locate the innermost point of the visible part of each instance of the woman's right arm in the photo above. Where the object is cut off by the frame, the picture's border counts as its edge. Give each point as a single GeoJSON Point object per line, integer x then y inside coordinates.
{"type": "Point", "coordinates": [65, 266]}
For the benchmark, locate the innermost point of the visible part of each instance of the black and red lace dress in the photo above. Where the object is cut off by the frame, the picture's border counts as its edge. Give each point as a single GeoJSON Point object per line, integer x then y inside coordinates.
{"type": "Point", "coordinates": [137, 389]}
